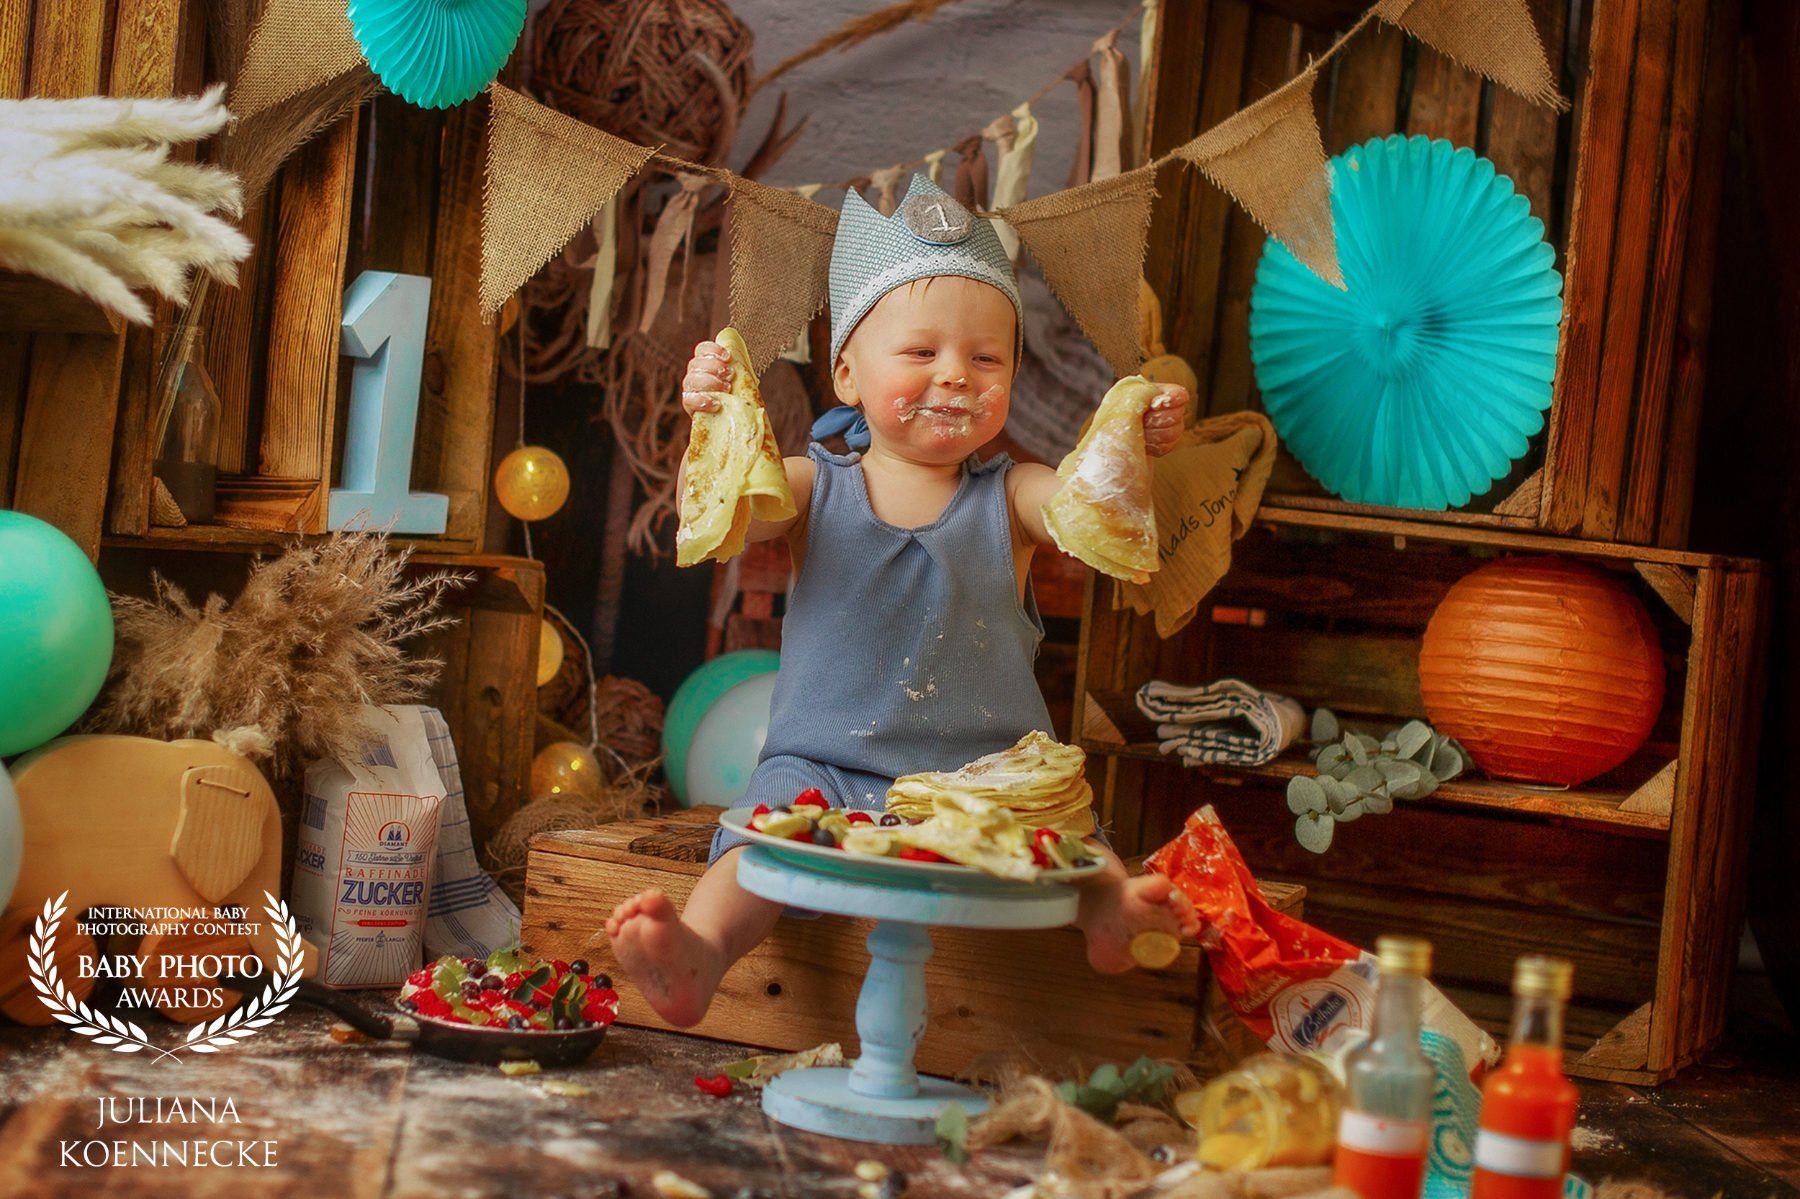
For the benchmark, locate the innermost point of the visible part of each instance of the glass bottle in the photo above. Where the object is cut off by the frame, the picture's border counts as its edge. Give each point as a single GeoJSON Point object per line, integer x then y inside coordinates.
{"type": "Point", "coordinates": [1384, 1133]}
{"type": "Point", "coordinates": [1528, 1105]}
{"type": "Point", "coordinates": [187, 458]}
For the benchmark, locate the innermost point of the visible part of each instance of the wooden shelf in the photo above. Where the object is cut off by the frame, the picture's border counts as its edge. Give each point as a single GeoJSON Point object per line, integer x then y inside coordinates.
{"type": "Point", "coordinates": [229, 539]}
{"type": "Point", "coordinates": [1591, 807]}
{"type": "Point", "coordinates": [29, 304]}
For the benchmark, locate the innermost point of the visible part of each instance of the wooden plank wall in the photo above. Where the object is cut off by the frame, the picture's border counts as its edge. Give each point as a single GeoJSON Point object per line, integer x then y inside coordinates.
{"type": "Point", "coordinates": [59, 392]}
{"type": "Point", "coordinates": [1627, 186]}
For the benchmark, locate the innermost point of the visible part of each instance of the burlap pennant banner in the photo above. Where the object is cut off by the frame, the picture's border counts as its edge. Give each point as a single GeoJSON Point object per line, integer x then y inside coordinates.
{"type": "Point", "coordinates": [547, 176]}
{"type": "Point", "coordinates": [1497, 38]}
{"type": "Point", "coordinates": [297, 44]}
{"type": "Point", "coordinates": [780, 261]}
{"type": "Point", "coordinates": [1089, 243]}
{"type": "Point", "coordinates": [1270, 159]}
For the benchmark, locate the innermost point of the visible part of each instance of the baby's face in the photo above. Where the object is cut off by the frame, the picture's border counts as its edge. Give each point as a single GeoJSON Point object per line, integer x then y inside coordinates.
{"type": "Point", "coordinates": [932, 367]}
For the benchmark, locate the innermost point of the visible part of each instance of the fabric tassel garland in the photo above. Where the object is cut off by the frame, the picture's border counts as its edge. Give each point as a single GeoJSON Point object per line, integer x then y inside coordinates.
{"type": "Point", "coordinates": [1016, 138]}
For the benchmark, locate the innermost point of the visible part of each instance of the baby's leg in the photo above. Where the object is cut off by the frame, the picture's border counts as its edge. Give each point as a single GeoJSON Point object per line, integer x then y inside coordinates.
{"type": "Point", "coordinates": [677, 962]}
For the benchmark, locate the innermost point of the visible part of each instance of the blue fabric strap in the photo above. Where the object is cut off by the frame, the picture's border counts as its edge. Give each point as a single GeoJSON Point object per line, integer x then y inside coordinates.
{"type": "Point", "coordinates": [846, 420]}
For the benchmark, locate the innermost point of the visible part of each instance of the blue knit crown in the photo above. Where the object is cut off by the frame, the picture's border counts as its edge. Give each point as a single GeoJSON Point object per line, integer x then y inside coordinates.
{"type": "Point", "coordinates": [929, 234]}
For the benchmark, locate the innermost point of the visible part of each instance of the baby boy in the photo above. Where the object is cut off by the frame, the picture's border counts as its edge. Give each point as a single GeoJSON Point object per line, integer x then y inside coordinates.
{"type": "Point", "coordinates": [911, 629]}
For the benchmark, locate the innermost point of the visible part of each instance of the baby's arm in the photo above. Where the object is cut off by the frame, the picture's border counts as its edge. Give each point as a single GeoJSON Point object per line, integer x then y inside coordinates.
{"type": "Point", "coordinates": [1032, 483]}
{"type": "Point", "coordinates": [708, 371]}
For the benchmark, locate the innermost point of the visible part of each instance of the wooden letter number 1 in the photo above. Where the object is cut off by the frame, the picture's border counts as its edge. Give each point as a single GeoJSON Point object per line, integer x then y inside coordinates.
{"type": "Point", "coordinates": [384, 330]}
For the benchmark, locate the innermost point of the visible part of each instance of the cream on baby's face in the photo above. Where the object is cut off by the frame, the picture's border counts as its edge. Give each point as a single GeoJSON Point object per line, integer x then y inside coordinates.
{"type": "Point", "coordinates": [932, 366]}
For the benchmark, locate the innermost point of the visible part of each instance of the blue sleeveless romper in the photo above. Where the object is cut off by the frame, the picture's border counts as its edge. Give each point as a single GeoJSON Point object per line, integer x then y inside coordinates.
{"type": "Point", "coordinates": [902, 650]}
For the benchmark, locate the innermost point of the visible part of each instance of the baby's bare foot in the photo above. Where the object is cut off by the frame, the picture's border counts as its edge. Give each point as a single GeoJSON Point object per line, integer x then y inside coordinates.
{"type": "Point", "coordinates": [1112, 915]}
{"type": "Point", "coordinates": [672, 967]}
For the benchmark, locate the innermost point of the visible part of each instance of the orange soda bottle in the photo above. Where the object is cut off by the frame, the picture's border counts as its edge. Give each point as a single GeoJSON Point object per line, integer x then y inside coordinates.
{"type": "Point", "coordinates": [1528, 1105]}
{"type": "Point", "coordinates": [1384, 1132]}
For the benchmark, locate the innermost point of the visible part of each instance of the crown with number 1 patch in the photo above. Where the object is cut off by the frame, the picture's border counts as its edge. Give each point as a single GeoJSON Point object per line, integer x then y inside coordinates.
{"type": "Point", "coordinates": [929, 234]}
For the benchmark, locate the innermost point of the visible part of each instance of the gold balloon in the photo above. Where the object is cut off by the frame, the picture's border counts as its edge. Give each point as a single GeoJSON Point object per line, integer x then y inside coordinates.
{"type": "Point", "coordinates": [550, 652]}
{"type": "Point", "coordinates": [532, 482]}
{"type": "Point", "coordinates": [565, 768]}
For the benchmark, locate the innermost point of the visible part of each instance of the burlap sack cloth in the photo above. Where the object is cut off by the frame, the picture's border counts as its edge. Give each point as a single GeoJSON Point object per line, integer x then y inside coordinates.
{"type": "Point", "coordinates": [1206, 492]}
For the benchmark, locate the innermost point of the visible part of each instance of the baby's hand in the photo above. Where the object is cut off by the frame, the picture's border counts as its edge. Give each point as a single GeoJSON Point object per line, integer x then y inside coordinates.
{"type": "Point", "coordinates": [1165, 419]}
{"type": "Point", "coordinates": [1112, 913]}
{"type": "Point", "coordinates": [708, 370]}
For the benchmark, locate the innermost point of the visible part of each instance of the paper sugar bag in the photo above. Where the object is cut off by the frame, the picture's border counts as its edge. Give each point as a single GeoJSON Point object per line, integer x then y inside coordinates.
{"type": "Point", "coordinates": [1206, 492]}
{"type": "Point", "coordinates": [367, 840]}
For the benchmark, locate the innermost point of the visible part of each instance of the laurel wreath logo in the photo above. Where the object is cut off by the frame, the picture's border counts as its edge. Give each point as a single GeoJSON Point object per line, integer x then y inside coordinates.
{"type": "Point", "coordinates": [123, 1036]}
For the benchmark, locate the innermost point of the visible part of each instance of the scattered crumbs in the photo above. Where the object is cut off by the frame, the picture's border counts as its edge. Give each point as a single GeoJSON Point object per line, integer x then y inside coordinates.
{"type": "Point", "coordinates": [915, 696]}
{"type": "Point", "coordinates": [559, 1086]}
{"type": "Point", "coordinates": [906, 661]}
{"type": "Point", "coordinates": [513, 1069]}
{"type": "Point", "coordinates": [1587, 1140]}
{"type": "Point", "coordinates": [671, 1185]}
{"type": "Point", "coordinates": [980, 622]}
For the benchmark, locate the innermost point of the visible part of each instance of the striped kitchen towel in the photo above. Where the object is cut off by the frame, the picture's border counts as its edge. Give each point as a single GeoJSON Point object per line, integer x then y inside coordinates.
{"type": "Point", "coordinates": [469, 916]}
{"type": "Point", "coordinates": [1227, 722]}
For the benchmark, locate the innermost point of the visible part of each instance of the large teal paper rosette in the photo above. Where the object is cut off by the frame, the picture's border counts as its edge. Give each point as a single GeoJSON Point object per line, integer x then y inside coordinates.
{"type": "Point", "coordinates": [435, 53]}
{"type": "Point", "coordinates": [1420, 383]}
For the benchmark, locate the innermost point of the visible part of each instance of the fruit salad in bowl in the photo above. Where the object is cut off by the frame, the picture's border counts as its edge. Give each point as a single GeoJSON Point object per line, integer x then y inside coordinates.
{"type": "Point", "coordinates": [511, 991]}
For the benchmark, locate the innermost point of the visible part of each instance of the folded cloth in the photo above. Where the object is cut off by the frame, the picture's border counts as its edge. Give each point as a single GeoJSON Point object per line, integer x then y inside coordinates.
{"type": "Point", "coordinates": [1227, 722]}
{"type": "Point", "coordinates": [469, 915]}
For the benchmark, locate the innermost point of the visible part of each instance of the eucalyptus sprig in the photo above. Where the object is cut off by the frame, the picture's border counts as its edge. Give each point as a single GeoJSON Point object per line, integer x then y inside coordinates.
{"type": "Point", "coordinates": [1357, 775]}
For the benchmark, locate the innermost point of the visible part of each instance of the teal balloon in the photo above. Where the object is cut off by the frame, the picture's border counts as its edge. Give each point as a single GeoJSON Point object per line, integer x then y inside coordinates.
{"type": "Point", "coordinates": [714, 728]}
{"type": "Point", "coordinates": [12, 838]}
{"type": "Point", "coordinates": [436, 53]}
{"type": "Point", "coordinates": [1421, 382]}
{"type": "Point", "coordinates": [56, 632]}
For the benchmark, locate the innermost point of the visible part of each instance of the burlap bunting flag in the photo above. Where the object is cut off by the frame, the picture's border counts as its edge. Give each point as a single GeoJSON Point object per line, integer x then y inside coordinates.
{"type": "Point", "coordinates": [547, 175]}
{"type": "Point", "coordinates": [1497, 38]}
{"type": "Point", "coordinates": [780, 260]}
{"type": "Point", "coordinates": [297, 44]}
{"type": "Point", "coordinates": [1270, 159]}
{"type": "Point", "coordinates": [1089, 243]}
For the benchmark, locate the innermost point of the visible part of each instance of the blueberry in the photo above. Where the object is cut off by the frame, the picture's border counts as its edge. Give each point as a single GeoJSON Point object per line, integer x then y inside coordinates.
{"type": "Point", "coordinates": [603, 981]}
{"type": "Point", "coordinates": [407, 1005]}
{"type": "Point", "coordinates": [578, 966]}
{"type": "Point", "coordinates": [562, 1025]}
{"type": "Point", "coordinates": [492, 982]}
{"type": "Point", "coordinates": [889, 820]}
{"type": "Point", "coordinates": [1085, 862]}
{"type": "Point", "coordinates": [516, 1022]}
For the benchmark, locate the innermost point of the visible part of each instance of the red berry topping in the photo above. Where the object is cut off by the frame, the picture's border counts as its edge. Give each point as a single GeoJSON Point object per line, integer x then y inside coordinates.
{"type": "Point", "coordinates": [922, 855]}
{"type": "Point", "coordinates": [811, 797]}
{"type": "Point", "coordinates": [859, 818]}
{"type": "Point", "coordinates": [718, 1085]}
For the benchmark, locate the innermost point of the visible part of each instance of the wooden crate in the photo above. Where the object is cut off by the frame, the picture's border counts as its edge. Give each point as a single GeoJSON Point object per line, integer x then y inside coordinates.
{"type": "Point", "coordinates": [63, 361]}
{"type": "Point", "coordinates": [1628, 186]}
{"type": "Point", "coordinates": [487, 690]}
{"type": "Point", "coordinates": [390, 187]}
{"type": "Point", "coordinates": [1026, 992]}
{"type": "Point", "coordinates": [1636, 876]}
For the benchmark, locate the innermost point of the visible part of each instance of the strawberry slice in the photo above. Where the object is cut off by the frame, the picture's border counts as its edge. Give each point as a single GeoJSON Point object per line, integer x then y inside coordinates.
{"type": "Point", "coordinates": [859, 818]}
{"type": "Point", "coordinates": [812, 797]}
{"type": "Point", "coordinates": [922, 855]}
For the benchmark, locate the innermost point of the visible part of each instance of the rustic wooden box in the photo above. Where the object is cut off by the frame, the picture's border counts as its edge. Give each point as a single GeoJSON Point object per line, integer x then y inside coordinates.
{"type": "Point", "coordinates": [390, 187]}
{"type": "Point", "coordinates": [988, 992]}
{"type": "Point", "coordinates": [487, 690]}
{"type": "Point", "coordinates": [1636, 876]}
{"type": "Point", "coordinates": [1628, 185]}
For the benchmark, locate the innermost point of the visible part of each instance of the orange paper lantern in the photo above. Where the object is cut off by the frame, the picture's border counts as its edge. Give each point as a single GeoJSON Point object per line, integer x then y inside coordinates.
{"type": "Point", "coordinates": [1547, 670]}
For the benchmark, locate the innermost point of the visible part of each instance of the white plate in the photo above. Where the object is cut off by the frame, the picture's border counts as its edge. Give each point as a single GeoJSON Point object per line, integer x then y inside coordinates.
{"type": "Point", "coordinates": [860, 865]}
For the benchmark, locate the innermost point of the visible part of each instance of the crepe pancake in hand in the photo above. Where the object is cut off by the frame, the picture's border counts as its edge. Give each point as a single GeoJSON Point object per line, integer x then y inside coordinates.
{"type": "Point", "coordinates": [1103, 513]}
{"type": "Point", "coordinates": [1039, 779]}
{"type": "Point", "coordinates": [732, 470]}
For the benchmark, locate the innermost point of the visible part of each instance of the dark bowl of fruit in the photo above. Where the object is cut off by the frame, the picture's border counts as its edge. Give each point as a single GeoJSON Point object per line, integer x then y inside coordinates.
{"type": "Point", "coordinates": [507, 1008]}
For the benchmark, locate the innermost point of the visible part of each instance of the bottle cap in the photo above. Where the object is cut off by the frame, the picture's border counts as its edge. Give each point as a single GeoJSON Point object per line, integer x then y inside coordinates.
{"type": "Point", "coordinates": [1542, 978]}
{"type": "Point", "coordinates": [1403, 955]}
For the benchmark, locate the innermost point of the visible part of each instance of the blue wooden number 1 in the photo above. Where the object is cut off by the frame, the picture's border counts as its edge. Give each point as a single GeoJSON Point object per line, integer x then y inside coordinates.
{"type": "Point", "coordinates": [384, 330]}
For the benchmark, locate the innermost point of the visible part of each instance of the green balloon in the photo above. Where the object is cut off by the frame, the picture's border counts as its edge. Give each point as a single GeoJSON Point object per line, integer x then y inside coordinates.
{"type": "Point", "coordinates": [56, 632]}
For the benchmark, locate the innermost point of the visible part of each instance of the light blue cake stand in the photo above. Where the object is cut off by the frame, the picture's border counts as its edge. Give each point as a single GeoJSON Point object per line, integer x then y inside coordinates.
{"type": "Point", "coordinates": [881, 1097]}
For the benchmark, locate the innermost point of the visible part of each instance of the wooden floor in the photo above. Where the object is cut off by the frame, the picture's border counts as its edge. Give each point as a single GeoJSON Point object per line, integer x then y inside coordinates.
{"type": "Point", "coordinates": [375, 1120]}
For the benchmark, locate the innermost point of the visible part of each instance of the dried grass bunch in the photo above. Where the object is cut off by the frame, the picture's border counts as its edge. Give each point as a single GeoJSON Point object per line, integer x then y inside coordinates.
{"type": "Point", "coordinates": [314, 634]}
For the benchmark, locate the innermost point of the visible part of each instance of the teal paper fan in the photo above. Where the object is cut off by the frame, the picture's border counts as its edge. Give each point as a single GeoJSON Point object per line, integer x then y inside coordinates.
{"type": "Point", "coordinates": [435, 53]}
{"type": "Point", "coordinates": [1420, 383]}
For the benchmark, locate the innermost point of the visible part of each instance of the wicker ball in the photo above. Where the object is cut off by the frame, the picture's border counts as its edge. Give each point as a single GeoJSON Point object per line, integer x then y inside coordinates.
{"type": "Point", "coordinates": [1547, 670]}
{"type": "Point", "coordinates": [668, 73]}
